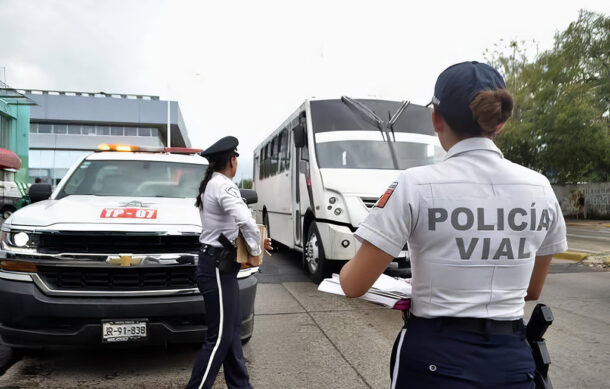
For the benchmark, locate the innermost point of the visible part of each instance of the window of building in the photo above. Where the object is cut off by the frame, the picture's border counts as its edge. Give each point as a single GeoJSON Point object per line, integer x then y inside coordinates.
{"type": "Point", "coordinates": [154, 132]}
{"type": "Point", "coordinates": [33, 128]}
{"type": "Point", "coordinates": [5, 131]}
{"type": "Point", "coordinates": [88, 130]}
{"type": "Point", "coordinates": [131, 131]}
{"type": "Point", "coordinates": [144, 131]}
{"type": "Point", "coordinates": [102, 130]}
{"type": "Point", "coordinates": [116, 131]}
{"type": "Point", "coordinates": [45, 128]}
{"type": "Point", "coordinates": [60, 128]}
{"type": "Point", "coordinates": [73, 129]}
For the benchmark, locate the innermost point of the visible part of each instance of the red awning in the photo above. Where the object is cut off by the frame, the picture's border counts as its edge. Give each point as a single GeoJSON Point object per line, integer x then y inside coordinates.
{"type": "Point", "coordinates": [9, 160]}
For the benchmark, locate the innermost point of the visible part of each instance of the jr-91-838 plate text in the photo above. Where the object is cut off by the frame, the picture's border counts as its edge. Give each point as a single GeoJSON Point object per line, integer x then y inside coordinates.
{"type": "Point", "coordinates": [123, 330]}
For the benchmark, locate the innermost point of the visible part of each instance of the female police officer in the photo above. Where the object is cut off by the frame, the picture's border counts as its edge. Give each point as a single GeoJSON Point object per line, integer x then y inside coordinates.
{"type": "Point", "coordinates": [480, 230]}
{"type": "Point", "coordinates": [223, 215]}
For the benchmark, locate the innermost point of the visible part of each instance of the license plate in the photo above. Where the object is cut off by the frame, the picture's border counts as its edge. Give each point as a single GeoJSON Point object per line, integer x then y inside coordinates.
{"type": "Point", "coordinates": [124, 330]}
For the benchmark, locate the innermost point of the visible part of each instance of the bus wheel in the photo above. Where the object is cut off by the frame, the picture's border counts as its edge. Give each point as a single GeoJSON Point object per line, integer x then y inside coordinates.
{"type": "Point", "coordinates": [315, 261]}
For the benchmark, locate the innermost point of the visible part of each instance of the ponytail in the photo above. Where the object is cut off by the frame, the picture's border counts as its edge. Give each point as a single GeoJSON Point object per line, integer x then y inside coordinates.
{"type": "Point", "coordinates": [490, 108]}
{"type": "Point", "coordinates": [217, 163]}
{"type": "Point", "coordinates": [208, 176]}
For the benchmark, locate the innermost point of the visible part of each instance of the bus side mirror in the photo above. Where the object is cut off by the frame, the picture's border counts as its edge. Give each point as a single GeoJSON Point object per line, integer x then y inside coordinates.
{"type": "Point", "coordinates": [249, 195]}
{"type": "Point", "coordinates": [300, 138]}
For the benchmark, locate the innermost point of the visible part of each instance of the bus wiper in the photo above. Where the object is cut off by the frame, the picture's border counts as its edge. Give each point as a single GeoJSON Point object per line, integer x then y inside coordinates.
{"type": "Point", "coordinates": [368, 114]}
{"type": "Point", "coordinates": [394, 118]}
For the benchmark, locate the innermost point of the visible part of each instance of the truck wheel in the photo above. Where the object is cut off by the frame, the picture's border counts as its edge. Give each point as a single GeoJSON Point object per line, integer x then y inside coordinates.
{"type": "Point", "coordinates": [245, 341]}
{"type": "Point", "coordinates": [315, 261]}
{"type": "Point", "coordinates": [7, 211]}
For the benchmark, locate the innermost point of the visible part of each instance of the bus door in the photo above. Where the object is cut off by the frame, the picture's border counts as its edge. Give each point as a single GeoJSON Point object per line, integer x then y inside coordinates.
{"type": "Point", "coordinates": [300, 167]}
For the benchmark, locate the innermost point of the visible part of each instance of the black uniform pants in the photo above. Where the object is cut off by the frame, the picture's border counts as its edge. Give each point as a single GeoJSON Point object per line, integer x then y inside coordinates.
{"type": "Point", "coordinates": [222, 344]}
{"type": "Point", "coordinates": [428, 354]}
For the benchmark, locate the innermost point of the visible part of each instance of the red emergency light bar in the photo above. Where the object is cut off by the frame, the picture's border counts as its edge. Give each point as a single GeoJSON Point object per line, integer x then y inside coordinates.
{"type": "Point", "coordinates": [147, 149]}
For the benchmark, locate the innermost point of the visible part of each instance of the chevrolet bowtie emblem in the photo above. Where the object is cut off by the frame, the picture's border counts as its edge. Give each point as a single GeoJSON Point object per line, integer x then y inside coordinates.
{"type": "Point", "coordinates": [124, 260]}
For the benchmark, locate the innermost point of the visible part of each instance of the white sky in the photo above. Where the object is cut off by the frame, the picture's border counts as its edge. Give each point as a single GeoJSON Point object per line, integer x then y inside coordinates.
{"type": "Point", "coordinates": [241, 67]}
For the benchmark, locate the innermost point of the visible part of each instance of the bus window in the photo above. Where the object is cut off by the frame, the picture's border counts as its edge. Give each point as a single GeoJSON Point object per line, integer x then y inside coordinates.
{"type": "Point", "coordinates": [274, 156]}
{"type": "Point", "coordinates": [284, 150]}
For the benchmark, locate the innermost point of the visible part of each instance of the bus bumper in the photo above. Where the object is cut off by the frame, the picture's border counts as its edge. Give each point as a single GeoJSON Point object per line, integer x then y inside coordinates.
{"type": "Point", "coordinates": [340, 243]}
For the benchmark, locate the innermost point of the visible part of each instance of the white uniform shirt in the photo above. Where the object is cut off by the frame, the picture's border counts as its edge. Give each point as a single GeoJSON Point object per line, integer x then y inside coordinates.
{"type": "Point", "coordinates": [474, 224]}
{"type": "Point", "coordinates": [224, 211]}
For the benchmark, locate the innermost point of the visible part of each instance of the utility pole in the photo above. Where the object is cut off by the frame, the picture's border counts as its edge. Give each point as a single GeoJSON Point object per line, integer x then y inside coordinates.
{"type": "Point", "coordinates": [169, 128]}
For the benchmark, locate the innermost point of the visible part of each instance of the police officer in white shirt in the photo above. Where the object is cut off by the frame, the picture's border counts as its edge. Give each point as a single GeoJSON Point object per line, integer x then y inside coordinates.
{"type": "Point", "coordinates": [481, 231]}
{"type": "Point", "coordinates": [223, 215]}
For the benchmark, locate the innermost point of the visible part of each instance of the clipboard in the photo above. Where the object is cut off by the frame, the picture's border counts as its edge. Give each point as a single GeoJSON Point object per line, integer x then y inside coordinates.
{"type": "Point", "coordinates": [242, 248]}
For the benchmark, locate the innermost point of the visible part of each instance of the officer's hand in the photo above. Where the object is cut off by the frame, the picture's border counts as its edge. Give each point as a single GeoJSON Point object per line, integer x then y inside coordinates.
{"type": "Point", "coordinates": [268, 246]}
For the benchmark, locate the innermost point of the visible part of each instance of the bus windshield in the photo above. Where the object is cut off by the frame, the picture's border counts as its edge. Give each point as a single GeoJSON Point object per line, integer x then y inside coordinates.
{"type": "Point", "coordinates": [135, 178]}
{"type": "Point", "coordinates": [370, 154]}
{"type": "Point", "coordinates": [346, 139]}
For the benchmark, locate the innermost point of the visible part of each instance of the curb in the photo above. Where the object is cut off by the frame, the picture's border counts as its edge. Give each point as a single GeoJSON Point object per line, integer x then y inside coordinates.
{"type": "Point", "coordinates": [571, 255]}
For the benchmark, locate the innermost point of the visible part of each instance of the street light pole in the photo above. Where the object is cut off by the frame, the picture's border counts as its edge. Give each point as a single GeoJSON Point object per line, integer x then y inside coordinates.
{"type": "Point", "coordinates": [169, 128]}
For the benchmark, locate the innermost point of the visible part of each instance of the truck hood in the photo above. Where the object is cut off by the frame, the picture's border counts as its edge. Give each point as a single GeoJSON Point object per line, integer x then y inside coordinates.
{"type": "Point", "coordinates": [358, 182]}
{"type": "Point", "coordinates": [86, 213]}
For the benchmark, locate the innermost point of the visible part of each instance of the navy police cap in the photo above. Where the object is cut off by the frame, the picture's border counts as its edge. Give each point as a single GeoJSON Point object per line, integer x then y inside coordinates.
{"type": "Point", "coordinates": [457, 86]}
{"type": "Point", "coordinates": [223, 145]}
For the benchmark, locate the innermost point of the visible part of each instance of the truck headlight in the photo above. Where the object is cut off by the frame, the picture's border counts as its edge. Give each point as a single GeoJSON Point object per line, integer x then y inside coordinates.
{"type": "Point", "coordinates": [21, 239]}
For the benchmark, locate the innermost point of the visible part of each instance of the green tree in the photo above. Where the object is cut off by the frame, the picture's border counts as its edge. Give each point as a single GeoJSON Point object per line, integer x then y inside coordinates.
{"type": "Point", "coordinates": [562, 103]}
{"type": "Point", "coordinates": [245, 183]}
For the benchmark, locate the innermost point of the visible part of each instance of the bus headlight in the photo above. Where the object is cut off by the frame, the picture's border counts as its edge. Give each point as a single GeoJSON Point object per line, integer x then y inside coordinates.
{"type": "Point", "coordinates": [332, 200]}
{"type": "Point", "coordinates": [338, 211]}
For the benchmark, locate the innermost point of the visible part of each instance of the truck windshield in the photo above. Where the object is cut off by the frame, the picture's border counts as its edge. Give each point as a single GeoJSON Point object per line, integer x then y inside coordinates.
{"type": "Point", "coordinates": [370, 154]}
{"type": "Point", "coordinates": [135, 178]}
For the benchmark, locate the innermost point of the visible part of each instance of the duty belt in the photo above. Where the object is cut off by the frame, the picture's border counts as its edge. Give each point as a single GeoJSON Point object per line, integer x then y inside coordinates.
{"type": "Point", "coordinates": [484, 326]}
{"type": "Point", "coordinates": [211, 250]}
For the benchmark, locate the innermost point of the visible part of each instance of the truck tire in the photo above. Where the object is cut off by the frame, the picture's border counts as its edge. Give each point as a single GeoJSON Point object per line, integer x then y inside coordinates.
{"type": "Point", "coordinates": [315, 260]}
{"type": "Point", "coordinates": [7, 211]}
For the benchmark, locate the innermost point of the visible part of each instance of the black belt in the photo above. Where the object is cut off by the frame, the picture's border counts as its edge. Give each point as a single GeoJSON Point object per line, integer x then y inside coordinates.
{"type": "Point", "coordinates": [211, 250]}
{"type": "Point", "coordinates": [484, 326]}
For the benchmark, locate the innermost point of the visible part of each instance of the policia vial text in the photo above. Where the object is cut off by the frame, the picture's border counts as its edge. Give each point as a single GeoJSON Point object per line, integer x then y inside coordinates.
{"type": "Point", "coordinates": [516, 219]}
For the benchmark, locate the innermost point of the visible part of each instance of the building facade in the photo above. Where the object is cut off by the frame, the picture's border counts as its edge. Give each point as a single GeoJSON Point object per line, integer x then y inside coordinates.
{"type": "Point", "coordinates": [14, 127]}
{"type": "Point", "coordinates": [65, 126]}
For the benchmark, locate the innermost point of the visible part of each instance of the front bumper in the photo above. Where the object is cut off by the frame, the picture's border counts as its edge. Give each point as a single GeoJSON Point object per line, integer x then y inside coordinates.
{"type": "Point", "coordinates": [29, 318]}
{"type": "Point", "coordinates": [341, 244]}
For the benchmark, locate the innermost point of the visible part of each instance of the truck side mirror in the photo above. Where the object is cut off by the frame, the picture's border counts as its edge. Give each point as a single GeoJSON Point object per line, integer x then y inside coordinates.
{"type": "Point", "coordinates": [249, 195]}
{"type": "Point", "coordinates": [39, 192]}
{"type": "Point", "coordinates": [299, 135]}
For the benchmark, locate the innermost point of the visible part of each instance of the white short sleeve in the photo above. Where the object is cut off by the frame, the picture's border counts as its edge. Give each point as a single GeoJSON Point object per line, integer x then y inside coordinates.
{"type": "Point", "coordinates": [389, 223]}
{"type": "Point", "coordinates": [555, 240]}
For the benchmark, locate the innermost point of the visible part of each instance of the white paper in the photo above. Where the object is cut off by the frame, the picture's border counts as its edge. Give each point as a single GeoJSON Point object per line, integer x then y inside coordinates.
{"type": "Point", "coordinates": [386, 291]}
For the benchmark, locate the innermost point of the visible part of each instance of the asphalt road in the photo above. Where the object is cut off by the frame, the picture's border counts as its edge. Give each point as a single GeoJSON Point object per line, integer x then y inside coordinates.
{"type": "Point", "coordinates": [307, 339]}
{"type": "Point", "coordinates": [588, 237]}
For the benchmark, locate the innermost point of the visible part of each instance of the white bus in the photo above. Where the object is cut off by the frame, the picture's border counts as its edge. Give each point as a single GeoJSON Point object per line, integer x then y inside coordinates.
{"type": "Point", "coordinates": [329, 162]}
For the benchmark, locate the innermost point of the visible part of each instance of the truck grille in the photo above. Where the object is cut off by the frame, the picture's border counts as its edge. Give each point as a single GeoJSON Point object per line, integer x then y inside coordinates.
{"type": "Point", "coordinates": [119, 278]}
{"type": "Point", "coordinates": [112, 243]}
